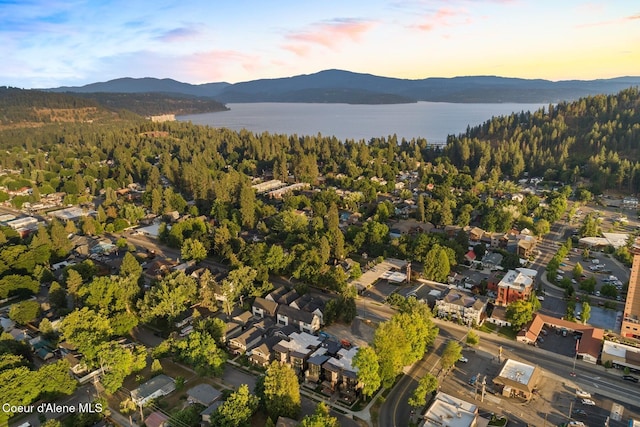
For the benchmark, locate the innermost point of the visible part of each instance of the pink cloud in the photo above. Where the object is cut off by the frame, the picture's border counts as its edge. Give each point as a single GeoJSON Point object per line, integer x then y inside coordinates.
{"type": "Point", "coordinates": [444, 17]}
{"type": "Point", "coordinates": [211, 65]}
{"type": "Point", "coordinates": [328, 34]}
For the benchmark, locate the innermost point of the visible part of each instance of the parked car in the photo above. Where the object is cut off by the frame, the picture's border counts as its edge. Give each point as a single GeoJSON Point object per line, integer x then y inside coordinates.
{"type": "Point", "coordinates": [576, 424]}
{"type": "Point", "coordinates": [588, 402]}
{"type": "Point", "coordinates": [583, 394]}
{"type": "Point", "coordinates": [579, 413]}
{"type": "Point", "coordinates": [630, 378]}
{"type": "Point", "coordinates": [463, 359]}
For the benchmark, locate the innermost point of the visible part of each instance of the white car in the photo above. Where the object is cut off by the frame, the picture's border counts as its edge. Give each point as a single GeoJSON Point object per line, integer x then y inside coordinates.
{"type": "Point", "coordinates": [583, 394]}
{"type": "Point", "coordinates": [576, 424]}
{"type": "Point", "coordinates": [463, 359]}
{"type": "Point", "coordinates": [588, 402]}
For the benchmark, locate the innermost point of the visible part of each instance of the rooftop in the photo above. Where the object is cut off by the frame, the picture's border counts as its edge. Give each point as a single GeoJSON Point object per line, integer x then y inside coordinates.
{"type": "Point", "coordinates": [517, 371]}
{"type": "Point", "coordinates": [450, 411]}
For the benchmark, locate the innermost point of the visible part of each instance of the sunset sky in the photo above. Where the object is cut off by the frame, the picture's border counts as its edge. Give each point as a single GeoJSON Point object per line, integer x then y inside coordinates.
{"type": "Point", "coordinates": [50, 43]}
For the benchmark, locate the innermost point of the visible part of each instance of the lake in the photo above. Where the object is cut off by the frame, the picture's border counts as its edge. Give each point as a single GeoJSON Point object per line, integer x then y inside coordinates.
{"type": "Point", "coordinates": [430, 120]}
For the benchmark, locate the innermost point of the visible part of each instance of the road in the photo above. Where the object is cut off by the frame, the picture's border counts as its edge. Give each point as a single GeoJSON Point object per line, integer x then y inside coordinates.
{"type": "Point", "coordinates": [606, 386]}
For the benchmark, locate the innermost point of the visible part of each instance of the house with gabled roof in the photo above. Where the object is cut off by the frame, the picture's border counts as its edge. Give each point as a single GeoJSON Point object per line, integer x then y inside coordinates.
{"type": "Point", "coordinates": [263, 307]}
{"type": "Point", "coordinates": [276, 294]}
{"type": "Point", "coordinates": [245, 341]}
{"type": "Point", "coordinates": [468, 308]}
{"type": "Point", "coordinates": [303, 320]}
{"type": "Point", "coordinates": [262, 354]}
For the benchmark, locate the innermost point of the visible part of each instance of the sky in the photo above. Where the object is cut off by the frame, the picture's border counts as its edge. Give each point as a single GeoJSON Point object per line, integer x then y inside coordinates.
{"type": "Point", "coordinates": [51, 43]}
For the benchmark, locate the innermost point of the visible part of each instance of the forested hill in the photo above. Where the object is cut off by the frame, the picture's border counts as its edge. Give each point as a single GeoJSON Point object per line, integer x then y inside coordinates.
{"type": "Point", "coordinates": [340, 86]}
{"type": "Point", "coordinates": [19, 108]}
{"type": "Point", "coordinates": [596, 137]}
{"type": "Point", "coordinates": [155, 104]}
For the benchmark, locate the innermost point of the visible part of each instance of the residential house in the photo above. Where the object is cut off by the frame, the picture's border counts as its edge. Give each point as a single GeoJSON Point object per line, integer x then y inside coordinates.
{"type": "Point", "coordinates": [276, 294]}
{"type": "Point", "coordinates": [263, 307]}
{"type": "Point", "coordinates": [157, 419]}
{"type": "Point", "coordinates": [526, 246]}
{"type": "Point", "coordinates": [296, 350]}
{"type": "Point", "coordinates": [203, 394]}
{"type": "Point", "coordinates": [469, 309]}
{"type": "Point", "coordinates": [492, 260]}
{"type": "Point", "coordinates": [262, 354]}
{"type": "Point", "coordinates": [289, 297]}
{"type": "Point", "coordinates": [341, 375]}
{"type": "Point", "coordinates": [232, 329]}
{"type": "Point", "coordinates": [310, 304]}
{"type": "Point", "coordinates": [245, 341]}
{"type": "Point", "coordinates": [475, 234]}
{"type": "Point", "coordinates": [303, 320]}
{"type": "Point", "coordinates": [158, 386]}
{"type": "Point", "coordinates": [241, 316]}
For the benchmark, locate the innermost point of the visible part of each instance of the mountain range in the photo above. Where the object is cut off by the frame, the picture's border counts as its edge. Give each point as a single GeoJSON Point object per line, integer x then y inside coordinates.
{"type": "Point", "coordinates": [339, 86]}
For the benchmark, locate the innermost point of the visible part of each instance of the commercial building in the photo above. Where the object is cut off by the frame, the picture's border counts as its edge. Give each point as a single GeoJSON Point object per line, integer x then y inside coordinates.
{"type": "Point", "coordinates": [517, 379]}
{"type": "Point", "coordinates": [630, 327]}
{"type": "Point", "coordinates": [447, 410]}
{"type": "Point", "coordinates": [514, 285]}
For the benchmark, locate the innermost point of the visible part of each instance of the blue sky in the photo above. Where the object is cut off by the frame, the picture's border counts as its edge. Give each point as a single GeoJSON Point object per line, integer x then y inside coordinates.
{"type": "Point", "coordinates": [54, 42]}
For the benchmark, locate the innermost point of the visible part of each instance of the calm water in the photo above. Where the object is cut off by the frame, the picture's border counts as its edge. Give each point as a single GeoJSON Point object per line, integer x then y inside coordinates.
{"type": "Point", "coordinates": [430, 120]}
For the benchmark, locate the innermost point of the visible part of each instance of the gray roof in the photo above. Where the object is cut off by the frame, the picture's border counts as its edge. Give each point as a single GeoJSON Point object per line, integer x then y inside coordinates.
{"type": "Point", "coordinates": [295, 314]}
{"type": "Point", "coordinates": [204, 393]}
{"type": "Point", "coordinates": [154, 384]}
{"type": "Point", "coordinates": [268, 306]}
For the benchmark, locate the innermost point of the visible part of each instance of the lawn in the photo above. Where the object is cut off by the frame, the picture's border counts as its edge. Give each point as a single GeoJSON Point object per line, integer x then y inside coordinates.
{"type": "Point", "coordinates": [507, 332]}
{"type": "Point", "coordinates": [488, 327]}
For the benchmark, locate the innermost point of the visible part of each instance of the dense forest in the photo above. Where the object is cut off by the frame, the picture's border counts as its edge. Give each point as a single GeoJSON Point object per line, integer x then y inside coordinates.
{"type": "Point", "coordinates": [32, 107]}
{"type": "Point", "coordinates": [155, 104]}
{"type": "Point", "coordinates": [597, 138]}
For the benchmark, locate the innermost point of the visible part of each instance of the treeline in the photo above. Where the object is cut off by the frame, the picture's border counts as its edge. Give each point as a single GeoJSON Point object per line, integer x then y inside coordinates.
{"type": "Point", "coordinates": [154, 104]}
{"type": "Point", "coordinates": [20, 107]}
{"type": "Point", "coordinates": [597, 138]}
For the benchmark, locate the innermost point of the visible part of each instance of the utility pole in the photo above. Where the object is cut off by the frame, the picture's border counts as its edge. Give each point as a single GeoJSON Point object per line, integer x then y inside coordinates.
{"type": "Point", "coordinates": [484, 386]}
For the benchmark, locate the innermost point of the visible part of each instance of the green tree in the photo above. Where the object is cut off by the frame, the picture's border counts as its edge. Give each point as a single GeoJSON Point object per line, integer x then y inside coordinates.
{"type": "Point", "coordinates": [193, 249]}
{"type": "Point", "coordinates": [237, 410]}
{"type": "Point", "coordinates": [451, 354]}
{"type": "Point", "coordinates": [118, 362]}
{"type": "Point", "coordinates": [586, 312]}
{"type": "Point", "coordinates": [156, 367]}
{"type": "Point", "coordinates": [519, 313]}
{"type": "Point", "coordinates": [366, 361]}
{"type": "Point", "coordinates": [24, 312]}
{"type": "Point", "coordinates": [57, 296]}
{"type": "Point", "coordinates": [86, 329]}
{"type": "Point", "coordinates": [168, 298]}
{"type": "Point", "coordinates": [473, 338]}
{"type": "Point", "coordinates": [427, 384]}
{"type": "Point", "coordinates": [73, 282]}
{"type": "Point", "coordinates": [436, 264]}
{"type": "Point", "coordinates": [281, 391]}
{"type": "Point", "coordinates": [130, 267]}
{"type": "Point", "coordinates": [577, 271]}
{"type": "Point", "coordinates": [247, 205]}
{"type": "Point", "coordinates": [320, 418]}
{"type": "Point", "coordinates": [200, 351]}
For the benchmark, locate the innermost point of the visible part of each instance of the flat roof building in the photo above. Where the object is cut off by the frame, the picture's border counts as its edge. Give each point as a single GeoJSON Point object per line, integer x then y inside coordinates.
{"type": "Point", "coordinates": [630, 327]}
{"type": "Point", "coordinates": [517, 379]}
{"type": "Point", "coordinates": [447, 410]}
